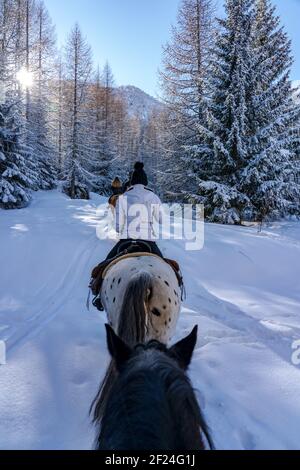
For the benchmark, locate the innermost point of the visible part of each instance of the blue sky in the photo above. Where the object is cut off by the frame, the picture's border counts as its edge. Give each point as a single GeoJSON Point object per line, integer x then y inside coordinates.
{"type": "Point", "coordinates": [130, 33]}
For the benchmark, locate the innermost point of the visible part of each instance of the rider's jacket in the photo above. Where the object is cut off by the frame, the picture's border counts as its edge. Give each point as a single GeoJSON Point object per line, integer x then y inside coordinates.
{"type": "Point", "coordinates": [138, 214]}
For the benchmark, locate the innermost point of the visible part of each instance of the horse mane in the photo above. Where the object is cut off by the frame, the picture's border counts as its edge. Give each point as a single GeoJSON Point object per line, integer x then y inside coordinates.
{"type": "Point", "coordinates": [152, 405]}
{"type": "Point", "coordinates": [132, 329]}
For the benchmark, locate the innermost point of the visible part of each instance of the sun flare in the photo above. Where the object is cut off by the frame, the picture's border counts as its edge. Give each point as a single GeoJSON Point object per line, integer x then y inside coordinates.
{"type": "Point", "coordinates": [25, 78]}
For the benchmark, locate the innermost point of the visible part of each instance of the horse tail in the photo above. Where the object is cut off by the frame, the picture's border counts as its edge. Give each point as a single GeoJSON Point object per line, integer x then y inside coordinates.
{"type": "Point", "coordinates": [134, 319]}
{"type": "Point", "coordinates": [133, 325]}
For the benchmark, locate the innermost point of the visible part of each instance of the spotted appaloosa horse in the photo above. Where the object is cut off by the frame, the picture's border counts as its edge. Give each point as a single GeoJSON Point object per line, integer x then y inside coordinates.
{"type": "Point", "coordinates": [142, 298]}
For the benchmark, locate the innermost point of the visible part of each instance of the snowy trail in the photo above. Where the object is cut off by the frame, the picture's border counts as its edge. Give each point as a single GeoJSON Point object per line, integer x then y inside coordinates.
{"type": "Point", "coordinates": [242, 290]}
{"type": "Point", "coordinates": [52, 295]}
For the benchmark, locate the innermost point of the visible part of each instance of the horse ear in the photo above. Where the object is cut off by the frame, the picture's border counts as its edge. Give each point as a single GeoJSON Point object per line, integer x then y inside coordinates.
{"type": "Point", "coordinates": [118, 350]}
{"type": "Point", "coordinates": [183, 350]}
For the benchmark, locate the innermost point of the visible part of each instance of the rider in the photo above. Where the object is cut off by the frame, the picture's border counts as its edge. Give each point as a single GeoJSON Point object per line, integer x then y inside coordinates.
{"type": "Point", "coordinates": [138, 199]}
{"type": "Point", "coordinates": [147, 204]}
{"type": "Point", "coordinates": [117, 190]}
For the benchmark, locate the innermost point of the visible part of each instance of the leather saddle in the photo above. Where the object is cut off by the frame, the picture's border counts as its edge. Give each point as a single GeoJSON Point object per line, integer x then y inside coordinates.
{"type": "Point", "coordinates": [126, 249]}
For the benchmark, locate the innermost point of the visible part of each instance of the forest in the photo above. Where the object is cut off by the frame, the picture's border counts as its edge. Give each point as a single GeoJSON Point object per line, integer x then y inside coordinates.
{"type": "Point", "coordinates": [223, 133]}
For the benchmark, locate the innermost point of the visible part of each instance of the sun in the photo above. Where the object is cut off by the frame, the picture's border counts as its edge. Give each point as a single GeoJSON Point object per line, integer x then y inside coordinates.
{"type": "Point", "coordinates": [25, 78]}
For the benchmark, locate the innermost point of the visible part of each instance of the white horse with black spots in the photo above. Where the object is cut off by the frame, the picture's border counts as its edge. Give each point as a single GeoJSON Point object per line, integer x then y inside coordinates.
{"type": "Point", "coordinates": [142, 296]}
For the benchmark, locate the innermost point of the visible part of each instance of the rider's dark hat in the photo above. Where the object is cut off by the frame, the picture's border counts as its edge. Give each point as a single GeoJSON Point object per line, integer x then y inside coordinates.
{"type": "Point", "coordinates": [139, 176]}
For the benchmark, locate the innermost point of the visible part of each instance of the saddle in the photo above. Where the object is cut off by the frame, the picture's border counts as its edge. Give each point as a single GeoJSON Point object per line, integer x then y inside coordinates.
{"type": "Point", "coordinates": [127, 249]}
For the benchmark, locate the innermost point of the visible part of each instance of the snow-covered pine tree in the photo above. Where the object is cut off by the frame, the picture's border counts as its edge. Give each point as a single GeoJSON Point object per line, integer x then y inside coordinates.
{"type": "Point", "coordinates": [223, 150]}
{"type": "Point", "coordinates": [102, 156]}
{"type": "Point", "coordinates": [18, 173]}
{"type": "Point", "coordinates": [7, 44]}
{"type": "Point", "coordinates": [185, 60]}
{"type": "Point", "coordinates": [268, 178]}
{"type": "Point", "coordinates": [245, 163]}
{"type": "Point", "coordinates": [38, 125]}
{"type": "Point", "coordinates": [120, 119]}
{"type": "Point", "coordinates": [17, 176]}
{"type": "Point", "coordinates": [59, 116]}
{"type": "Point", "coordinates": [184, 82]}
{"type": "Point", "coordinates": [78, 73]}
{"type": "Point", "coordinates": [43, 151]}
{"type": "Point", "coordinates": [296, 133]}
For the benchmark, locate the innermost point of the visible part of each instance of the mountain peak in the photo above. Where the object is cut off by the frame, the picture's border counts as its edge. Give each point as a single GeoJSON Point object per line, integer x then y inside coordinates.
{"type": "Point", "coordinates": [139, 103]}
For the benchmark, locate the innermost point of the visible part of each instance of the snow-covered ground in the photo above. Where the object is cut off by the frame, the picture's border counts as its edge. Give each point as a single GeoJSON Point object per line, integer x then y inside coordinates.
{"type": "Point", "coordinates": [242, 290]}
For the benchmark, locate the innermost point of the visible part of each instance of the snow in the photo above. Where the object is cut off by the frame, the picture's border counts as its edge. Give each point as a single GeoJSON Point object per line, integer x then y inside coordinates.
{"type": "Point", "coordinates": [242, 290]}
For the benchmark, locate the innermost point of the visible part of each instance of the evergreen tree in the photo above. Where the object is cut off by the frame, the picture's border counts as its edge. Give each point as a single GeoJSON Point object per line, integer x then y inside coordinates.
{"type": "Point", "coordinates": [184, 82]}
{"type": "Point", "coordinates": [7, 46]}
{"type": "Point", "coordinates": [38, 126]}
{"type": "Point", "coordinates": [78, 74]}
{"type": "Point", "coordinates": [268, 177]}
{"type": "Point", "coordinates": [224, 136]}
{"type": "Point", "coordinates": [59, 115]}
{"type": "Point", "coordinates": [185, 61]}
{"type": "Point", "coordinates": [244, 165]}
{"type": "Point", "coordinates": [17, 175]}
{"type": "Point", "coordinates": [101, 157]}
